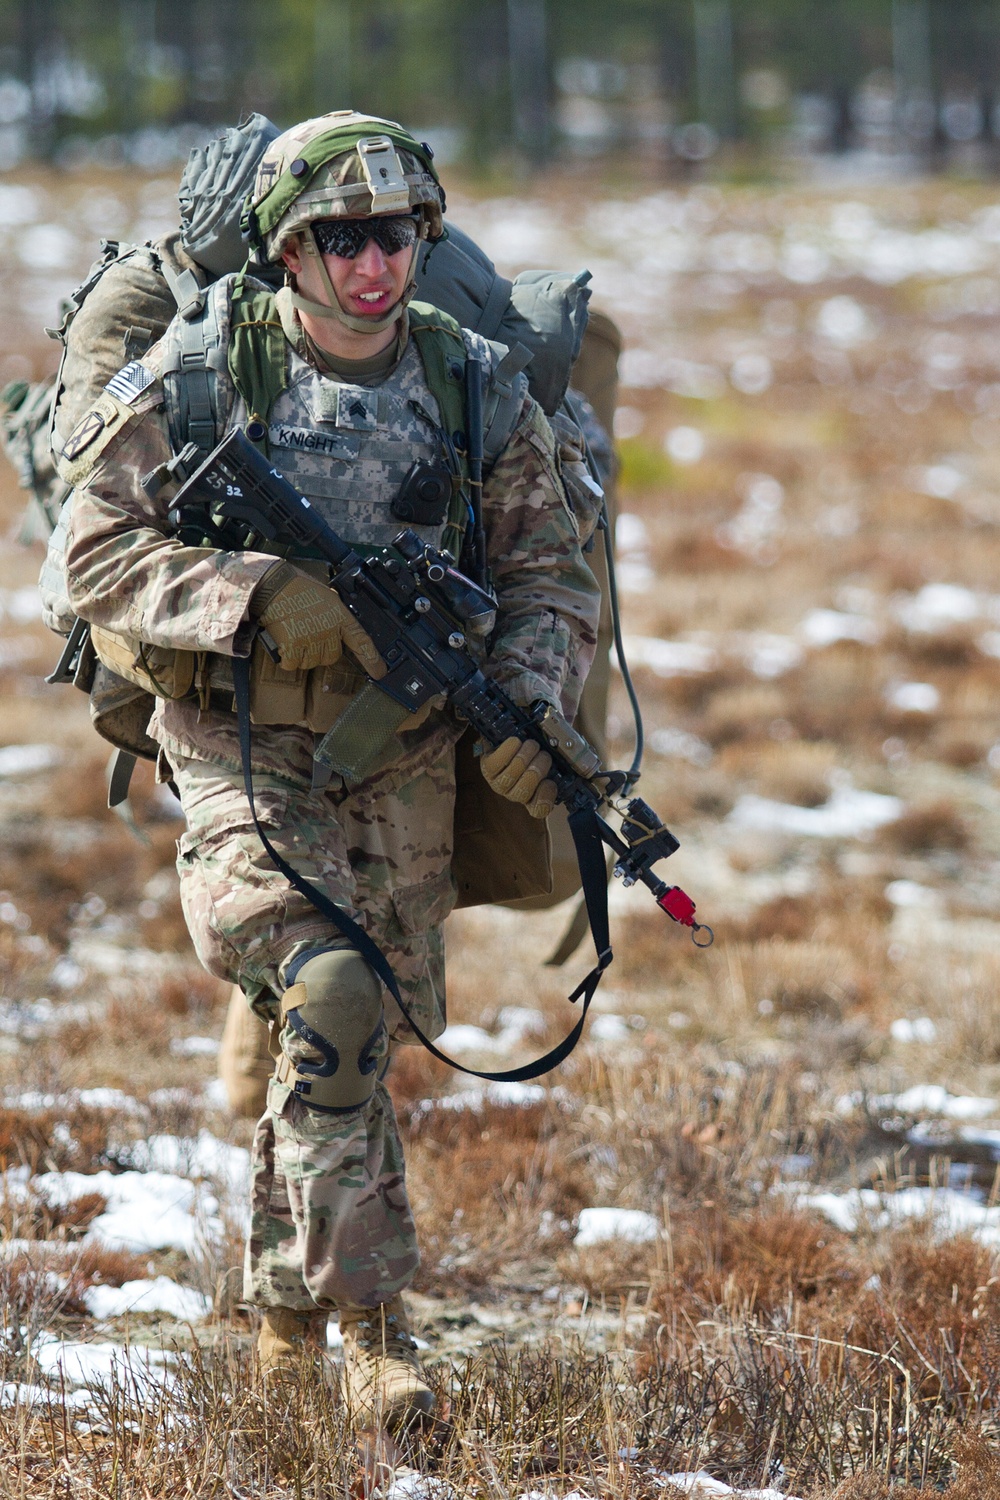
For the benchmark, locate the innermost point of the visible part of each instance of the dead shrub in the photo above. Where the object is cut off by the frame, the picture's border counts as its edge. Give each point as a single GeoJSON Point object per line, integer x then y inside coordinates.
{"type": "Point", "coordinates": [791, 918]}
{"type": "Point", "coordinates": [156, 1026]}
{"type": "Point", "coordinates": [978, 1469]}
{"type": "Point", "coordinates": [694, 694]}
{"type": "Point", "coordinates": [766, 1264]}
{"type": "Point", "coordinates": [936, 1304]}
{"type": "Point", "coordinates": [927, 827]}
{"type": "Point", "coordinates": [960, 748]}
{"type": "Point", "coordinates": [96, 1265]}
{"type": "Point", "coordinates": [53, 1141]}
{"type": "Point", "coordinates": [947, 649]}
{"type": "Point", "coordinates": [696, 550]}
{"type": "Point", "coordinates": [640, 949]}
{"type": "Point", "coordinates": [456, 1129]}
{"type": "Point", "coordinates": [195, 993]}
{"type": "Point", "coordinates": [415, 1075]}
{"type": "Point", "coordinates": [69, 1220]}
{"type": "Point", "coordinates": [612, 1273]}
{"type": "Point", "coordinates": [836, 695]}
{"type": "Point", "coordinates": [742, 713]}
{"type": "Point", "coordinates": [970, 1025]}
{"type": "Point", "coordinates": [480, 1182]}
{"type": "Point", "coordinates": [797, 978]}
{"type": "Point", "coordinates": [791, 771]}
{"type": "Point", "coordinates": [867, 1487]}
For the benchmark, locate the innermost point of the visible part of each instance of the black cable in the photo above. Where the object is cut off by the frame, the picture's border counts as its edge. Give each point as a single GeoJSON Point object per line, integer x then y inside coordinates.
{"type": "Point", "coordinates": [474, 451]}
{"type": "Point", "coordinates": [604, 523]}
{"type": "Point", "coordinates": [635, 768]}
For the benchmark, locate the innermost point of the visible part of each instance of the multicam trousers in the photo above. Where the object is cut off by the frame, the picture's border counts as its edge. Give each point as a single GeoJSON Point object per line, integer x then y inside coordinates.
{"type": "Point", "coordinates": [331, 1223]}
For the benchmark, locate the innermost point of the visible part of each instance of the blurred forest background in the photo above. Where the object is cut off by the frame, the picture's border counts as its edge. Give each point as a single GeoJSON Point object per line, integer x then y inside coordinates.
{"type": "Point", "coordinates": [673, 84]}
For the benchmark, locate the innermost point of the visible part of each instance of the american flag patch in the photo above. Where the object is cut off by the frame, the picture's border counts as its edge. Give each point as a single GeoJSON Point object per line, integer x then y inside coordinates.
{"type": "Point", "coordinates": [129, 384]}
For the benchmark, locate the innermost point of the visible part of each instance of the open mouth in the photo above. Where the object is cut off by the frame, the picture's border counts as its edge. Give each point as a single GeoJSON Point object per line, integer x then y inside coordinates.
{"type": "Point", "coordinates": [372, 301]}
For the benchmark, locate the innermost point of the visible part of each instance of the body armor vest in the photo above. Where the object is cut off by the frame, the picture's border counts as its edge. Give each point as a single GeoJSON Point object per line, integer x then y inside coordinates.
{"type": "Point", "coordinates": [349, 448]}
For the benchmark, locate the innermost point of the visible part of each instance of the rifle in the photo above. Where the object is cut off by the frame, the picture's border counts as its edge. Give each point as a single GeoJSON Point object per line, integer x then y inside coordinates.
{"type": "Point", "coordinates": [419, 611]}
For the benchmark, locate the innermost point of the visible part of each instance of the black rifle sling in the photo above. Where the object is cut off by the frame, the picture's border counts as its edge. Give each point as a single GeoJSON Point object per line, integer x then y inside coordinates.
{"type": "Point", "coordinates": [593, 874]}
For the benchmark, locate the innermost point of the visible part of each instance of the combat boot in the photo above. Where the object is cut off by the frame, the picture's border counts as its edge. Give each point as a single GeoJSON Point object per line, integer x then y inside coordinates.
{"type": "Point", "coordinates": [286, 1333]}
{"type": "Point", "coordinates": [384, 1384]}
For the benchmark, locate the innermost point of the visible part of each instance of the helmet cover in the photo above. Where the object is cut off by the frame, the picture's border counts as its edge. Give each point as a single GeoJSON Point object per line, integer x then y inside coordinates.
{"type": "Point", "coordinates": [340, 165]}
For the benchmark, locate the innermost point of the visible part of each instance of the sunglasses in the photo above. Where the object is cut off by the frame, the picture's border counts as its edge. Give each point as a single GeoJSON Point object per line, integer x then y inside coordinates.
{"type": "Point", "coordinates": [348, 237]}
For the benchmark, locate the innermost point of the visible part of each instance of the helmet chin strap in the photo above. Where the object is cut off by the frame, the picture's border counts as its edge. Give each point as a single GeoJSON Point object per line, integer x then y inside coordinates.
{"type": "Point", "coordinates": [332, 308]}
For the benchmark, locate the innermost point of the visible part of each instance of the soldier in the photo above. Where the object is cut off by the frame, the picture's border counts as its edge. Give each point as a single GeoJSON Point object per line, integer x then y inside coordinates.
{"type": "Point", "coordinates": [345, 382]}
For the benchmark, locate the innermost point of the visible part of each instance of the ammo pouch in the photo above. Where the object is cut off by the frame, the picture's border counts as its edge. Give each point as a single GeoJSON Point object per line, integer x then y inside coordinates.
{"type": "Point", "coordinates": [315, 699]}
{"type": "Point", "coordinates": [158, 669]}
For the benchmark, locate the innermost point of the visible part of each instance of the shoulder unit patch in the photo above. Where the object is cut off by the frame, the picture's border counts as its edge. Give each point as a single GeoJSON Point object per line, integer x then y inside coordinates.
{"type": "Point", "coordinates": [86, 431]}
{"type": "Point", "coordinates": [97, 429]}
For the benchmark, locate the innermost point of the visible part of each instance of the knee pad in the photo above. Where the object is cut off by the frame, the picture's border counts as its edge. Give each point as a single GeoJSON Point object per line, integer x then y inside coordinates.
{"type": "Point", "coordinates": [335, 1007]}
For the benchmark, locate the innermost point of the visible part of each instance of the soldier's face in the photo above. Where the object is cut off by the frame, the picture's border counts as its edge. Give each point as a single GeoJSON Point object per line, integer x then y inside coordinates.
{"type": "Point", "coordinates": [369, 284]}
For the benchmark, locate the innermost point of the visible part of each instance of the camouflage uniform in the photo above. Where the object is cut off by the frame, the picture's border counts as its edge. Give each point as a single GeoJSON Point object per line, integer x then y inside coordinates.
{"type": "Point", "coordinates": [331, 1221]}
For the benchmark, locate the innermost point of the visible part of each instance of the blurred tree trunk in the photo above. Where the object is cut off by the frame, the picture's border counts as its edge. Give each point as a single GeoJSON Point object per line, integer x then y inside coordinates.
{"type": "Point", "coordinates": [37, 34]}
{"type": "Point", "coordinates": [913, 70]}
{"type": "Point", "coordinates": [529, 78]}
{"type": "Point", "coordinates": [332, 79]}
{"type": "Point", "coordinates": [715, 72]}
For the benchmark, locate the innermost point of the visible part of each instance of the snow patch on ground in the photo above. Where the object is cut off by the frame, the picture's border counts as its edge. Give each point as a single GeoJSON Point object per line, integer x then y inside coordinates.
{"type": "Point", "coordinates": [20, 1393]}
{"type": "Point", "coordinates": [518, 1023]}
{"type": "Point", "coordinates": [917, 1029]}
{"type": "Point", "coordinates": [610, 1027]}
{"type": "Point", "coordinates": [408, 1484]}
{"type": "Point", "coordinates": [824, 627]}
{"type": "Point", "coordinates": [510, 1094]}
{"type": "Point", "coordinates": [849, 813]}
{"type": "Point", "coordinates": [25, 760]}
{"type": "Point", "coordinates": [922, 1099]}
{"type": "Point", "coordinates": [195, 1046]}
{"type": "Point", "coordinates": [103, 1365]}
{"type": "Point", "coordinates": [173, 1198]}
{"type": "Point", "coordinates": [701, 1486]}
{"type": "Point", "coordinates": [950, 1212]}
{"type": "Point", "coordinates": [146, 1210]}
{"type": "Point", "coordinates": [669, 658]}
{"type": "Point", "coordinates": [159, 1296]}
{"type": "Point", "coordinates": [598, 1226]}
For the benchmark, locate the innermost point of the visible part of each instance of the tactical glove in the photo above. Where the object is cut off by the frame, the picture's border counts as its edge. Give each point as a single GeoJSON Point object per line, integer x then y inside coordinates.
{"type": "Point", "coordinates": [309, 623]}
{"type": "Point", "coordinates": [516, 770]}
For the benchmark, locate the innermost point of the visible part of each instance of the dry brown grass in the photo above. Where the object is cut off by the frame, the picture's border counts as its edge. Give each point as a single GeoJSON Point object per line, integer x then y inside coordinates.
{"type": "Point", "coordinates": [749, 1333]}
{"type": "Point", "coordinates": [924, 828]}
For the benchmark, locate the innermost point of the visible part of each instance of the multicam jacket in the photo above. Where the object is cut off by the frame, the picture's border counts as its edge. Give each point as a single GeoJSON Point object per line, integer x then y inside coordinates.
{"type": "Point", "coordinates": [127, 575]}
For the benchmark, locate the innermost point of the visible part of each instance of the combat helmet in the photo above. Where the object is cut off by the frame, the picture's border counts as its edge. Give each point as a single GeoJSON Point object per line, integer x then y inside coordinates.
{"type": "Point", "coordinates": [341, 165]}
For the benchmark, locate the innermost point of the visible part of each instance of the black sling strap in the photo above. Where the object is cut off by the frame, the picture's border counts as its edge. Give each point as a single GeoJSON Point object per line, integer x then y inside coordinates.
{"type": "Point", "coordinates": [593, 874]}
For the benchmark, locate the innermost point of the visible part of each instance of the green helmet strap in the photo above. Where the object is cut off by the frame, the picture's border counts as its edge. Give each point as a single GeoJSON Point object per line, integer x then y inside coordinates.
{"type": "Point", "coordinates": [259, 219]}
